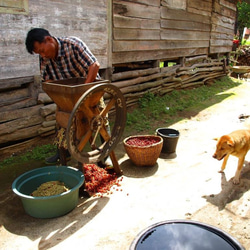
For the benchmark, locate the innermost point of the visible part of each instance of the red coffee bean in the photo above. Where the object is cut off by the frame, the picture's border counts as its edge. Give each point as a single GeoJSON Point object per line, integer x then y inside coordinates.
{"type": "Point", "coordinates": [98, 180]}
{"type": "Point", "coordinates": [142, 141]}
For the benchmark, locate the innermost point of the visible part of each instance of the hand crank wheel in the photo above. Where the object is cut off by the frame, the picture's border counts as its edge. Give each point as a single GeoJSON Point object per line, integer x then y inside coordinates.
{"type": "Point", "coordinates": [88, 139]}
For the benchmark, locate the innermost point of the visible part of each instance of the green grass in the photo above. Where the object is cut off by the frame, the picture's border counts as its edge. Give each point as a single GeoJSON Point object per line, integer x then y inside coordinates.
{"type": "Point", "coordinates": [168, 109]}
{"type": "Point", "coordinates": [36, 154]}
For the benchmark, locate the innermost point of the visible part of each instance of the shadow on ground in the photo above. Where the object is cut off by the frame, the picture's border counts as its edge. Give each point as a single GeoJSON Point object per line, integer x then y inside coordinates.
{"type": "Point", "coordinates": [130, 170]}
{"type": "Point", "coordinates": [229, 191]}
{"type": "Point", "coordinates": [50, 231]}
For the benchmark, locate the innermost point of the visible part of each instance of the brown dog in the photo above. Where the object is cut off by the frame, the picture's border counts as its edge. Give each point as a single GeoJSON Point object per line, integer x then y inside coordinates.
{"type": "Point", "coordinates": [237, 144]}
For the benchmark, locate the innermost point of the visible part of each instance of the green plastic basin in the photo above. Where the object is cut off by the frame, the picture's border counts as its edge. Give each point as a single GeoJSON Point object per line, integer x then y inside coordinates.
{"type": "Point", "coordinates": [50, 206]}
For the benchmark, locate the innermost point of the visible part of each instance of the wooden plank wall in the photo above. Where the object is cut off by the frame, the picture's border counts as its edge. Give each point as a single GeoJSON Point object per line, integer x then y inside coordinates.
{"type": "Point", "coordinates": [136, 30]}
{"type": "Point", "coordinates": [84, 19]}
{"type": "Point", "coordinates": [190, 33]}
{"type": "Point", "coordinates": [222, 26]}
{"type": "Point", "coordinates": [160, 30]}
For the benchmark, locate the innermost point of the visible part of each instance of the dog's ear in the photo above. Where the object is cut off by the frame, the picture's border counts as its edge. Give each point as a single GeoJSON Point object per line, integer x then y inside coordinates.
{"type": "Point", "coordinates": [230, 143]}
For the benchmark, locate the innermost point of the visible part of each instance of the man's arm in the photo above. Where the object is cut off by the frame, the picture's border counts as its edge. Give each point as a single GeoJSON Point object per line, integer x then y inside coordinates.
{"type": "Point", "coordinates": [92, 72]}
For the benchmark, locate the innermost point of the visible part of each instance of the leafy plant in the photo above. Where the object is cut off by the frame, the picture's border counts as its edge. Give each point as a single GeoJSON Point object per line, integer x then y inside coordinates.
{"type": "Point", "coordinates": [243, 17]}
{"type": "Point", "coordinates": [245, 42]}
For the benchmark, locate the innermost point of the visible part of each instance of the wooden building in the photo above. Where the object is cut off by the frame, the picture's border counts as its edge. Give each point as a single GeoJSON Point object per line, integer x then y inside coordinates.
{"type": "Point", "coordinates": [130, 38]}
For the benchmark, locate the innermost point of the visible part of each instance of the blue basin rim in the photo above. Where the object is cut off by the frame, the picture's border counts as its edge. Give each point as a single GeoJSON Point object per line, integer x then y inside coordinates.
{"type": "Point", "coordinates": [44, 172]}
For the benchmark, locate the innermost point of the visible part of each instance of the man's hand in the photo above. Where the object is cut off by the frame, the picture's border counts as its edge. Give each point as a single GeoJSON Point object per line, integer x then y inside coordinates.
{"type": "Point", "coordinates": [92, 72]}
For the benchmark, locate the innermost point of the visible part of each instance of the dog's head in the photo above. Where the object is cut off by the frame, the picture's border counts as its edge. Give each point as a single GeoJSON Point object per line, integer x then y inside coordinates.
{"type": "Point", "coordinates": [224, 146]}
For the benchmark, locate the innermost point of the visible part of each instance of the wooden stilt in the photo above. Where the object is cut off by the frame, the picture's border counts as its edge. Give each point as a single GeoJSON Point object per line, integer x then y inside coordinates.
{"type": "Point", "coordinates": [115, 163]}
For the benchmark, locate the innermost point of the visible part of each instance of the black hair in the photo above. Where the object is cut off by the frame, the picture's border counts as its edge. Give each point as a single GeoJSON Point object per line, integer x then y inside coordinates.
{"type": "Point", "coordinates": [35, 35]}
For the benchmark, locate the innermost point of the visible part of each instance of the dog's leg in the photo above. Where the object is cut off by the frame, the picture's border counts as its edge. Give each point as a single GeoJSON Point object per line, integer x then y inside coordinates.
{"type": "Point", "coordinates": [236, 179]}
{"type": "Point", "coordinates": [224, 163]}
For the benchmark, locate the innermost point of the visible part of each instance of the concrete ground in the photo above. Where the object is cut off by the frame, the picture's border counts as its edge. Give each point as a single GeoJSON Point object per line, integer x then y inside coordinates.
{"type": "Point", "coordinates": [182, 186]}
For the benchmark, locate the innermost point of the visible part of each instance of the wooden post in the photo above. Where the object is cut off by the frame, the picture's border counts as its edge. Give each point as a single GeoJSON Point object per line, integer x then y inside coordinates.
{"type": "Point", "coordinates": [115, 163]}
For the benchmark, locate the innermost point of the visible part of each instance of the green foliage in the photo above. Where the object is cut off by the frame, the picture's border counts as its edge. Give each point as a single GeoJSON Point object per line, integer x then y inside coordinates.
{"type": "Point", "coordinates": [37, 153]}
{"type": "Point", "coordinates": [245, 42]}
{"type": "Point", "coordinates": [243, 18]}
{"type": "Point", "coordinates": [167, 108]}
{"type": "Point", "coordinates": [146, 99]}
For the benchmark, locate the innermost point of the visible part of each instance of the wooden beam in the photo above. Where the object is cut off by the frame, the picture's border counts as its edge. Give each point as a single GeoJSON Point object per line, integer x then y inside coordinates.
{"type": "Point", "coordinates": [132, 9]}
{"type": "Point", "coordinates": [140, 56]}
{"type": "Point", "coordinates": [20, 113]}
{"type": "Point", "coordinates": [11, 83]}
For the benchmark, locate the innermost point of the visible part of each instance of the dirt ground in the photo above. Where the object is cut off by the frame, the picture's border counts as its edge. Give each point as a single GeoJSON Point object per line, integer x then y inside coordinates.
{"type": "Point", "coordinates": [185, 185]}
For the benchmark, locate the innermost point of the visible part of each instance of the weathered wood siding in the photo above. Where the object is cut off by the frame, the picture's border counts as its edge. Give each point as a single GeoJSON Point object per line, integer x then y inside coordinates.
{"type": "Point", "coordinates": [84, 19]}
{"type": "Point", "coordinates": [136, 31]}
{"type": "Point", "coordinates": [142, 30]}
{"type": "Point", "coordinates": [160, 30]}
{"type": "Point", "coordinates": [222, 26]}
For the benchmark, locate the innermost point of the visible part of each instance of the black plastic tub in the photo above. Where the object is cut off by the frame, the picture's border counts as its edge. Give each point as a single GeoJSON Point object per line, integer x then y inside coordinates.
{"type": "Point", "coordinates": [170, 138]}
{"type": "Point", "coordinates": [184, 234]}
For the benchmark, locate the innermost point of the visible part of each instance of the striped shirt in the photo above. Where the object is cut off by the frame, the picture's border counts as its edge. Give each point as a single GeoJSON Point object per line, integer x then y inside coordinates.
{"type": "Point", "coordinates": [73, 60]}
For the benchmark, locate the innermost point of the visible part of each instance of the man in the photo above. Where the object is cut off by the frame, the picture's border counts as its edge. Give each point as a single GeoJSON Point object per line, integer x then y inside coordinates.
{"type": "Point", "coordinates": [61, 58]}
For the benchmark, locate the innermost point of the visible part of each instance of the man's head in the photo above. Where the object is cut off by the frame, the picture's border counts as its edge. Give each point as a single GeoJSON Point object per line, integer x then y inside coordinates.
{"type": "Point", "coordinates": [40, 41]}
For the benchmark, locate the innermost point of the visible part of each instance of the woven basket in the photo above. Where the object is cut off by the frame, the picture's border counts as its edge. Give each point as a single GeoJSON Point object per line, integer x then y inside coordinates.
{"type": "Point", "coordinates": [144, 155]}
